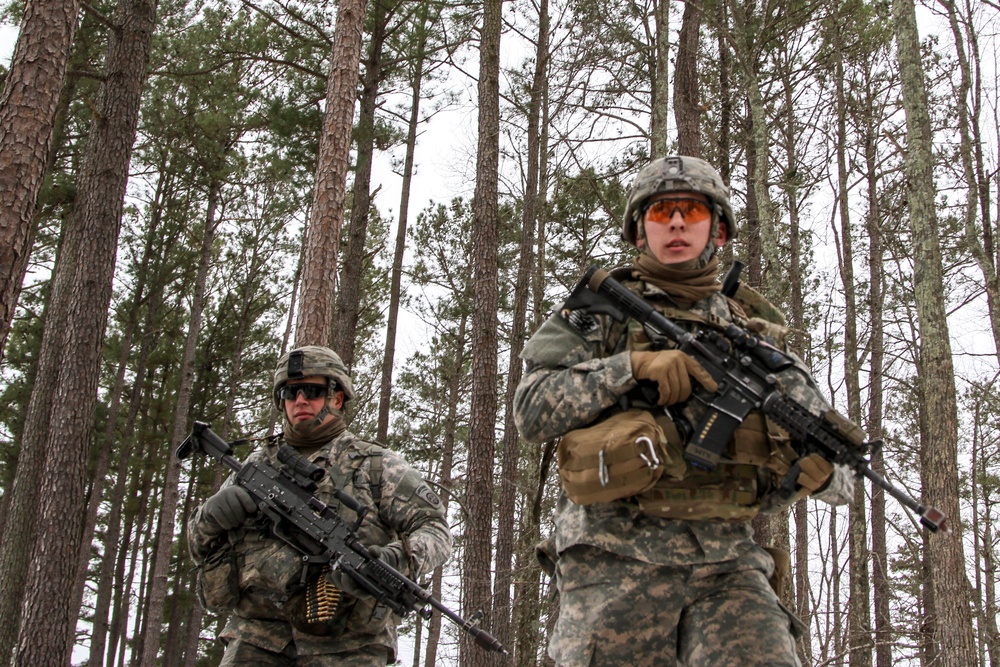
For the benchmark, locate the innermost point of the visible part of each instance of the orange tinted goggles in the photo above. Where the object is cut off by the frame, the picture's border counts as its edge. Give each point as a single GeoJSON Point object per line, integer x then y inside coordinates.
{"type": "Point", "coordinates": [692, 210]}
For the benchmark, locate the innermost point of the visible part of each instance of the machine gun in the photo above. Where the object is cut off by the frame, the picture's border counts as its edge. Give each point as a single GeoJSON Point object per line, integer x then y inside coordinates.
{"type": "Point", "coordinates": [745, 366]}
{"type": "Point", "coordinates": [310, 526]}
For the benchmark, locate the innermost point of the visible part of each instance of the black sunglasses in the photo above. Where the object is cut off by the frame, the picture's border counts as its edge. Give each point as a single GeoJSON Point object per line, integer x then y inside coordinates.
{"type": "Point", "coordinates": [311, 391]}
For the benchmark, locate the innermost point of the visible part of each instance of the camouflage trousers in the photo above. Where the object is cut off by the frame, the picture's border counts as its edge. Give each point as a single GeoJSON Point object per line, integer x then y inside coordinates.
{"type": "Point", "coordinates": [619, 611]}
{"type": "Point", "coordinates": [240, 653]}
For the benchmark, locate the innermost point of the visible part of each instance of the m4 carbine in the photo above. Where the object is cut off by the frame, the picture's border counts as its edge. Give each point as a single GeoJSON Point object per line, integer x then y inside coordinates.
{"type": "Point", "coordinates": [285, 495]}
{"type": "Point", "coordinates": [744, 365]}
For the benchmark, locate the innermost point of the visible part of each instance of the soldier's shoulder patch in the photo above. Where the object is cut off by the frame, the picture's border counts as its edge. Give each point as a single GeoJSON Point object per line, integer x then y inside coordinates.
{"type": "Point", "coordinates": [554, 343]}
{"type": "Point", "coordinates": [581, 320]}
{"type": "Point", "coordinates": [425, 493]}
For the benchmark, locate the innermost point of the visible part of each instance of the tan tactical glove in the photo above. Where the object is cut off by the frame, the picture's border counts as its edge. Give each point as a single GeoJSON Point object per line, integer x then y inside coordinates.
{"type": "Point", "coordinates": [815, 472]}
{"type": "Point", "coordinates": [672, 371]}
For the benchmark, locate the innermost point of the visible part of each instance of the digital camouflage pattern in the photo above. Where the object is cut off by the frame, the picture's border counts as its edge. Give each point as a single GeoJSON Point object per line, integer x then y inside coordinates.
{"type": "Point", "coordinates": [677, 173]}
{"type": "Point", "coordinates": [243, 653]}
{"type": "Point", "coordinates": [617, 611]}
{"type": "Point", "coordinates": [270, 573]}
{"type": "Point", "coordinates": [578, 370]}
{"type": "Point", "coordinates": [312, 360]}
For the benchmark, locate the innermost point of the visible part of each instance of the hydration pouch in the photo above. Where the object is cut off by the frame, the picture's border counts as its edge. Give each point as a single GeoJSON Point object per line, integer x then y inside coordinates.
{"type": "Point", "coordinates": [218, 581]}
{"type": "Point", "coordinates": [620, 457]}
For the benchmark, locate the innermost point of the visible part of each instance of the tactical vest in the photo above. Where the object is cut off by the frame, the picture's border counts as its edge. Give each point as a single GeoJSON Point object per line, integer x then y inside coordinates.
{"type": "Point", "coordinates": [754, 460]}
{"type": "Point", "coordinates": [284, 589]}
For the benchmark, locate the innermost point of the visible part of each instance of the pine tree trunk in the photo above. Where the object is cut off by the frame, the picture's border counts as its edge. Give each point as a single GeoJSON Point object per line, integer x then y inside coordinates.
{"type": "Point", "coordinates": [971, 154]}
{"type": "Point", "coordinates": [322, 241]}
{"type": "Point", "coordinates": [476, 579]}
{"type": "Point", "coordinates": [28, 109]}
{"type": "Point", "coordinates": [349, 290]}
{"type": "Point", "coordinates": [506, 576]}
{"type": "Point", "coordinates": [687, 94]}
{"type": "Point", "coordinates": [882, 592]}
{"type": "Point", "coordinates": [80, 305]}
{"type": "Point", "coordinates": [447, 469]}
{"type": "Point", "coordinates": [858, 616]}
{"type": "Point", "coordinates": [952, 623]}
{"type": "Point", "coordinates": [661, 81]}
{"type": "Point", "coordinates": [108, 441]}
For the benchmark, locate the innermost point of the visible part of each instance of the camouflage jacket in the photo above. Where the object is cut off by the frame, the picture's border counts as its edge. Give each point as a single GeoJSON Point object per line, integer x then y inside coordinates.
{"type": "Point", "coordinates": [408, 511]}
{"type": "Point", "coordinates": [578, 370]}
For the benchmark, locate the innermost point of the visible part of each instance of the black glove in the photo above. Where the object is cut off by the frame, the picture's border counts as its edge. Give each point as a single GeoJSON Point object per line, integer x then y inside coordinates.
{"type": "Point", "coordinates": [391, 554]}
{"type": "Point", "coordinates": [229, 508]}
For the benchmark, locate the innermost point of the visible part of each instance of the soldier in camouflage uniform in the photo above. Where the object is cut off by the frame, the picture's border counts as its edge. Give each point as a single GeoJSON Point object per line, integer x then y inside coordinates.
{"type": "Point", "coordinates": [244, 569]}
{"type": "Point", "coordinates": [671, 575]}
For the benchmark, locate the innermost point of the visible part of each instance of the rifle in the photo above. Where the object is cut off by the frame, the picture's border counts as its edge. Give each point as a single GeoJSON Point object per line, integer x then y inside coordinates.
{"type": "Point", "coordinates": [745, 366]}
{"type": "Point", "coordinates": [310, 526]}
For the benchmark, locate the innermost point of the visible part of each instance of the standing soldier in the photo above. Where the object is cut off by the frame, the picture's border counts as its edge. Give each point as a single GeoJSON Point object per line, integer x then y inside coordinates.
{"type": "Point", "coordinates": [244, 569]}
{"type": "Point", "coordinates": [658, 567]}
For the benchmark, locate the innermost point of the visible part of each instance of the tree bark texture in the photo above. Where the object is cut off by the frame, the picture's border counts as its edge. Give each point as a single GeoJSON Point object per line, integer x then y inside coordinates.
{"type": "Point", "coordinates": [661, 81]}
{"type": "Point", "coordinates": [952, 625]}
{"type": "Point", "coordinates": [28, 109]}
{"type": "Point", "coordinates": [80, 311]}
{"type": "Point", "coordinates": [476, 577]}
{"type": "Point", "coordinates": [687, 102]}
{"type": "Point", "coordinates": [351, 273]}
{"type": "Point", "coordinates": [322, 241]}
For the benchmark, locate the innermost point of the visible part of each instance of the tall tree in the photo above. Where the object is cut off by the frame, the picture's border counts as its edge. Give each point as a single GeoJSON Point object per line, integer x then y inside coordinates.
{"type": "Point", "coordinates": [510, 453]}
{"type": "Point", "coordinates": [661, 81]}
{"type": "Point", "coordinates": [322, 242]}
{"type": "Point", "coordinates": [859, 617]}
{"type": "Point", "coordinates": [28, 109]}
{"type": "Point", "coordinates": [168, 504]}
{"type": "Point", "coordinates": [476, 583]}
{"type": "Point", "coordinates": [876, 344]}
{"type": "Point", "coordinates": [950, 618]}
{"type": "Point", "coordinates": [82, 291]}
{"type": "Point", "coordinates": [349, 288]}
{"type": "Point", "coordinates": [416, 66]}
{"type": "Point", "coordinates": [980, 239]}
{"type": "Point", "coordinates": [687, 105]}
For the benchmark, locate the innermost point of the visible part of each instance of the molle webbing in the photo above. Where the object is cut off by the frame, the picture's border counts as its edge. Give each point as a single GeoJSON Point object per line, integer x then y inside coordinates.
{"type": "Point", "coordinates": [729, 492]}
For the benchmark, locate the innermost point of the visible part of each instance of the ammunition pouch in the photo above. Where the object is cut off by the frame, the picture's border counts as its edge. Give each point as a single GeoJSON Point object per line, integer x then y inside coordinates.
{"type": "Point", "coordinates": [218, 581]}
{"type": "Point", "coordinates": [619, 457]}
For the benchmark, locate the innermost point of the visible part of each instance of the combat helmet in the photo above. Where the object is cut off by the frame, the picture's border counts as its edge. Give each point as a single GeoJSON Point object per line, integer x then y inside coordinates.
{"type": "Point", "coordinates": [677, 173]}
{"type": "Point", "coordinates": [312, 360]}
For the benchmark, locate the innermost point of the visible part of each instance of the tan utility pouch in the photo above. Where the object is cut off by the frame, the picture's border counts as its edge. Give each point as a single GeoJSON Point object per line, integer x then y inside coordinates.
{"type": "Point", "coordinates": [619, 457]}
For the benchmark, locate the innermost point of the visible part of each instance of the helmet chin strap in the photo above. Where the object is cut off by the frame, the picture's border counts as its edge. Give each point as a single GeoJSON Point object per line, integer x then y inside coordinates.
{"type": "Point", "coordinates": [710, 248]}
{"type": "Point", "coordinates": [316, 421]}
